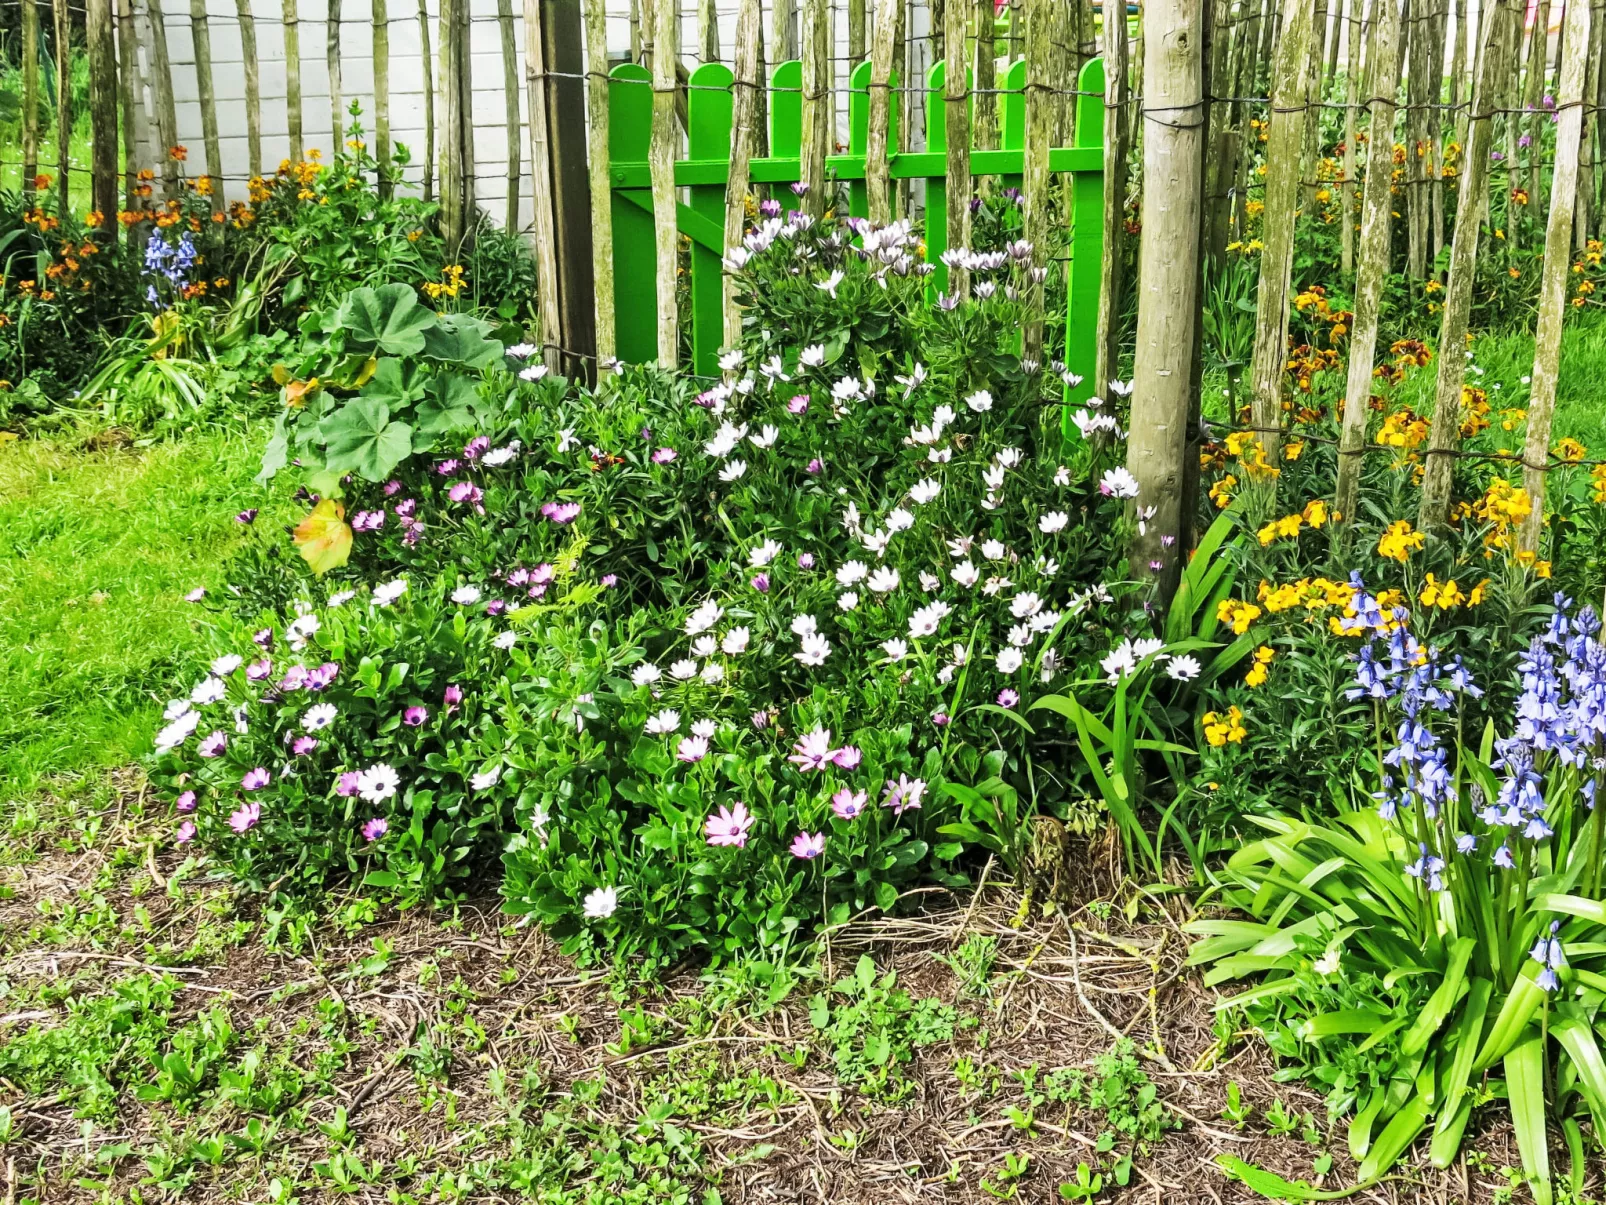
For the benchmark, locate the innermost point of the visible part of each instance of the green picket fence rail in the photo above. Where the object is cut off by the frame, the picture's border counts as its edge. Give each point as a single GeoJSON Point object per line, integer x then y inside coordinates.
{"type": "Point", "coordinates": [705, 171]}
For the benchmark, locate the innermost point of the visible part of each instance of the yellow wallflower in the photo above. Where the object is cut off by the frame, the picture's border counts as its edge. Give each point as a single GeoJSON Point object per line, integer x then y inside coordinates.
{"type": "Point", "coordinates": [1399, 541]}
{"type": "Point", "coordinates": [1238, 614]}
{"type": "Point", "coordinates": [1220, 729]}
{"type": "Point", "coordinates": [1259, 671]}
{"type": "Point", "coordinates": [1445, 596]}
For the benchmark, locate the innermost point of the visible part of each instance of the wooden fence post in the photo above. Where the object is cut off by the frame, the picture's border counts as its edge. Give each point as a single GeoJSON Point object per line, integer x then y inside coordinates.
{"type": "Point", "coordinates": [253, 84]}
{"type": "Point", "coordinates": [127, 51]}
{"type": "Point", "coordinates": [956, 129]}
{"type": "Point", "coordinates": [857, 38]}
{"type": "Point", "coordinates": [1290, 107]}
{"type": "Point", "coordinates": [785, 37]}
{"type": "Point", "coordinates": [877, 177]}
{"type": "Point", "coordinates": [1346, 192]}
{"type": "Point", "coordinates": [707, 32]}
{"type": "Point", "coordinates": [744, 117]}
{"type": "Point", "coordinates": [661, 159]}
{"type": "Point", "coordinates": [544, 229]}
{"type": "Point", "coordinates": [816, 105]}
{"type": "Point", "coordinates": [1553, 288]}
{"type": "Point", "coordinates": [30, 96]}
{"type": "Point", "coordinates": [1168, 306]}
{"type": "Point", "coordinates": [102, 113]}
{"type": "Point", "coordinates": [381, 24]}
{"type": "Point", "coordinates": [425, 60]}
{"type": "Point", "coordinates": [510, 98]}
{"type": "Point", "coordinates": [597, 107]}
{"type": "Point", "coordinates": [1377, 207]}
{"type": "Point", "coordinates": [201, 37]}
{"type": "Point", "coordinates": [63, 56]}
{"type": "Point", "coordinates": [1445, 432]}
{"type": "Point", "coordinates": [984, 80]}
{"type": "Point", "coordinates": [337, 112]}
{"type": "Point", "coordinates": [162, 94]}
{"type": "Point", "coordinates": [292, 78]}
{"type": "Point", "coordinates": [565, 97]}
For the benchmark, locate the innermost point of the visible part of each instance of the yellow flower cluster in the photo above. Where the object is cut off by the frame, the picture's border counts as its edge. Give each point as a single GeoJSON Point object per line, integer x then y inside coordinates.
{"type": "Point", "coordinates": [1447, 595]}
{"type": "Point", "coordinates": [1399, 541]}
{"type": "Point", "coordinates": [1503, 506]}
{"type": "Point", "coordinates": [1247, 448]}
{"type": "Point", "coordinates": [1570, 450]}
{"type": "Point", "coordinates": [450, 285]}
{"type": "Point", "coordinates": [1220, 729]}
{"type": "Point", "coordinates": [1289, 526]}
{"type": "Point", "coordinates": [1314, 594]}
{"type": "Point", "coordinates": [1403, 430]}
{"type": "Point", "coordinates": [1597, 478]}
{"type": "Point", "coordinates": [1239, 615]}
{"type": "Point", "coordinates": [1221, 492]}
{"type": "Point", "coordinates": [1260, 670]}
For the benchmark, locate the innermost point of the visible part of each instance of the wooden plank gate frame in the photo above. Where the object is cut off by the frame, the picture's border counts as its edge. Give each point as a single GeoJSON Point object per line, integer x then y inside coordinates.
{"type": "Point", "coordinates": [705, 171]}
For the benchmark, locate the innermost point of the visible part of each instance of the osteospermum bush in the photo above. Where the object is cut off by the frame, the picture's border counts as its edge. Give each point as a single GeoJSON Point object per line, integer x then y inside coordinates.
{"type": "Point", "coordinates": [735, 656]}
{"type": "Point", "coordinates": [346, 735]}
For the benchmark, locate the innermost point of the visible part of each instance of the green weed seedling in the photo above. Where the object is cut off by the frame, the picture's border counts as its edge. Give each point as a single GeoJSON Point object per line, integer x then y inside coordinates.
{"type": "Point", "coordinates": [1087, 1185]}
{"type": "Point", "coordinates": [1004, 1183]}
{"type": "Point", "coordinates": [873, 1028]}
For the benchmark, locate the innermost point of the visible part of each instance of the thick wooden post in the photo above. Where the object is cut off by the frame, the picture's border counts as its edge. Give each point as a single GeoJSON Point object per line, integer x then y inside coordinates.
{"type": "Point", "coordinates": [661, 162]}
{"type": "Point", "coordinates": [1168, 301]}
{"type": "Point", "coordinates": [201, 36]}
{"type": "Point", "coordinates": [1291, 92]}
{"type": "Point", "coordinates": [510, 98]}
{"type": "Point", "coordinates": [1352, 96]}
{"type": "Point", "coordinates": [102, 112]}
{"type": "Point", "coordinates": [543, 228]}
{"type": "Point", "coordinates": [292, 79]}
{"type": "Point", "coordinates": [816, 104]}
{"type": "Point", "coordinates": [1377, 207]}
{"type": "Point", "coordinates": [63, 55]}
{"type": "Point", "coordinates": [565, 98]}
{"type": "Point", "coordinates": [1445, 433]}
{"type": "Point", "coordinates": [1584, 208]}
{"type": "Point", "coordinates": [598, 128]}
{"type": "Point", "coordinates": [744, 120]}
{"type": "Point", "coordinates": [877, 175]}
{"type": "Point", "coordinates": [253, 84]}
{"type": "Point", "coordinates": [1107, 345]}
{"type": "Point", "coordinates": [381, 24]}
{"type": "Point", "coordinates": [30, 96]}
{"type": "Point", "coordinates": [857, 38]}
{"type": "Point", "coordinates": [956, 125]}
{"type": "Point", "coordinates": [1558, 258]}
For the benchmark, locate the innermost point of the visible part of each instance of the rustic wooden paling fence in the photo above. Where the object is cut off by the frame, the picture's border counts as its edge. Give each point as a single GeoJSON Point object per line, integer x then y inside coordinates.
{"type": "Point", "coordinates": [664, 154]}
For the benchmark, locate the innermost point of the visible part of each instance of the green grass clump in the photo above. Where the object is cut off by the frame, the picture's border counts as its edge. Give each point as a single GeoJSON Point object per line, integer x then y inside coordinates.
{"type": "Point", "coordinates": [97, 550]}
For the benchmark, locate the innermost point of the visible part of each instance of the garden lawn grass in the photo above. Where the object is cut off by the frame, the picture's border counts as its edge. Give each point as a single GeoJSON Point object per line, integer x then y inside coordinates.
{"type": "Point", "coordinates": [99, 543]}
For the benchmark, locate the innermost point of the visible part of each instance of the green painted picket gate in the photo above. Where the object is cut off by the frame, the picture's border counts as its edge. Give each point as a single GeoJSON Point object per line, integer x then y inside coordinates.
{"type": "Point", "coordinates": [705, 172]}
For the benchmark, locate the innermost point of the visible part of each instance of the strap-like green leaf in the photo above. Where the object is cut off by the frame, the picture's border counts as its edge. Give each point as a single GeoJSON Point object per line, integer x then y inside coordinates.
{"type": "Point", "coordinates": [1525, 1087]}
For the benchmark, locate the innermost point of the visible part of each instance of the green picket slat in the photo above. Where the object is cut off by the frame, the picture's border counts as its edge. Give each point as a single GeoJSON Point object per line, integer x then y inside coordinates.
{"type": "Point", "coordinates": [708, 134]}
{"type": "Point", "coordinates": [786, 110]}
{"type": "Point", "coordinates": [1087, 238]}
{"type": "Point", "coordinates": [635, 254]}
{"type": "Point", "coordinates": [859, 134]}
{"type": "Point", "coordinates": [936, 185]}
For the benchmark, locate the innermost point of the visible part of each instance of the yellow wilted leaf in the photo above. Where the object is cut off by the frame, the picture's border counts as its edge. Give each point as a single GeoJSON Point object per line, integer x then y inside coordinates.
{"type": "Point", "coordinates": [365, 374]}
{"type": "Point", "coordinates": [324, 537]}
{"type": "Point", "coordinates": [281, 375]}
{"type": "Point", "coordinates": [295, 392]}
